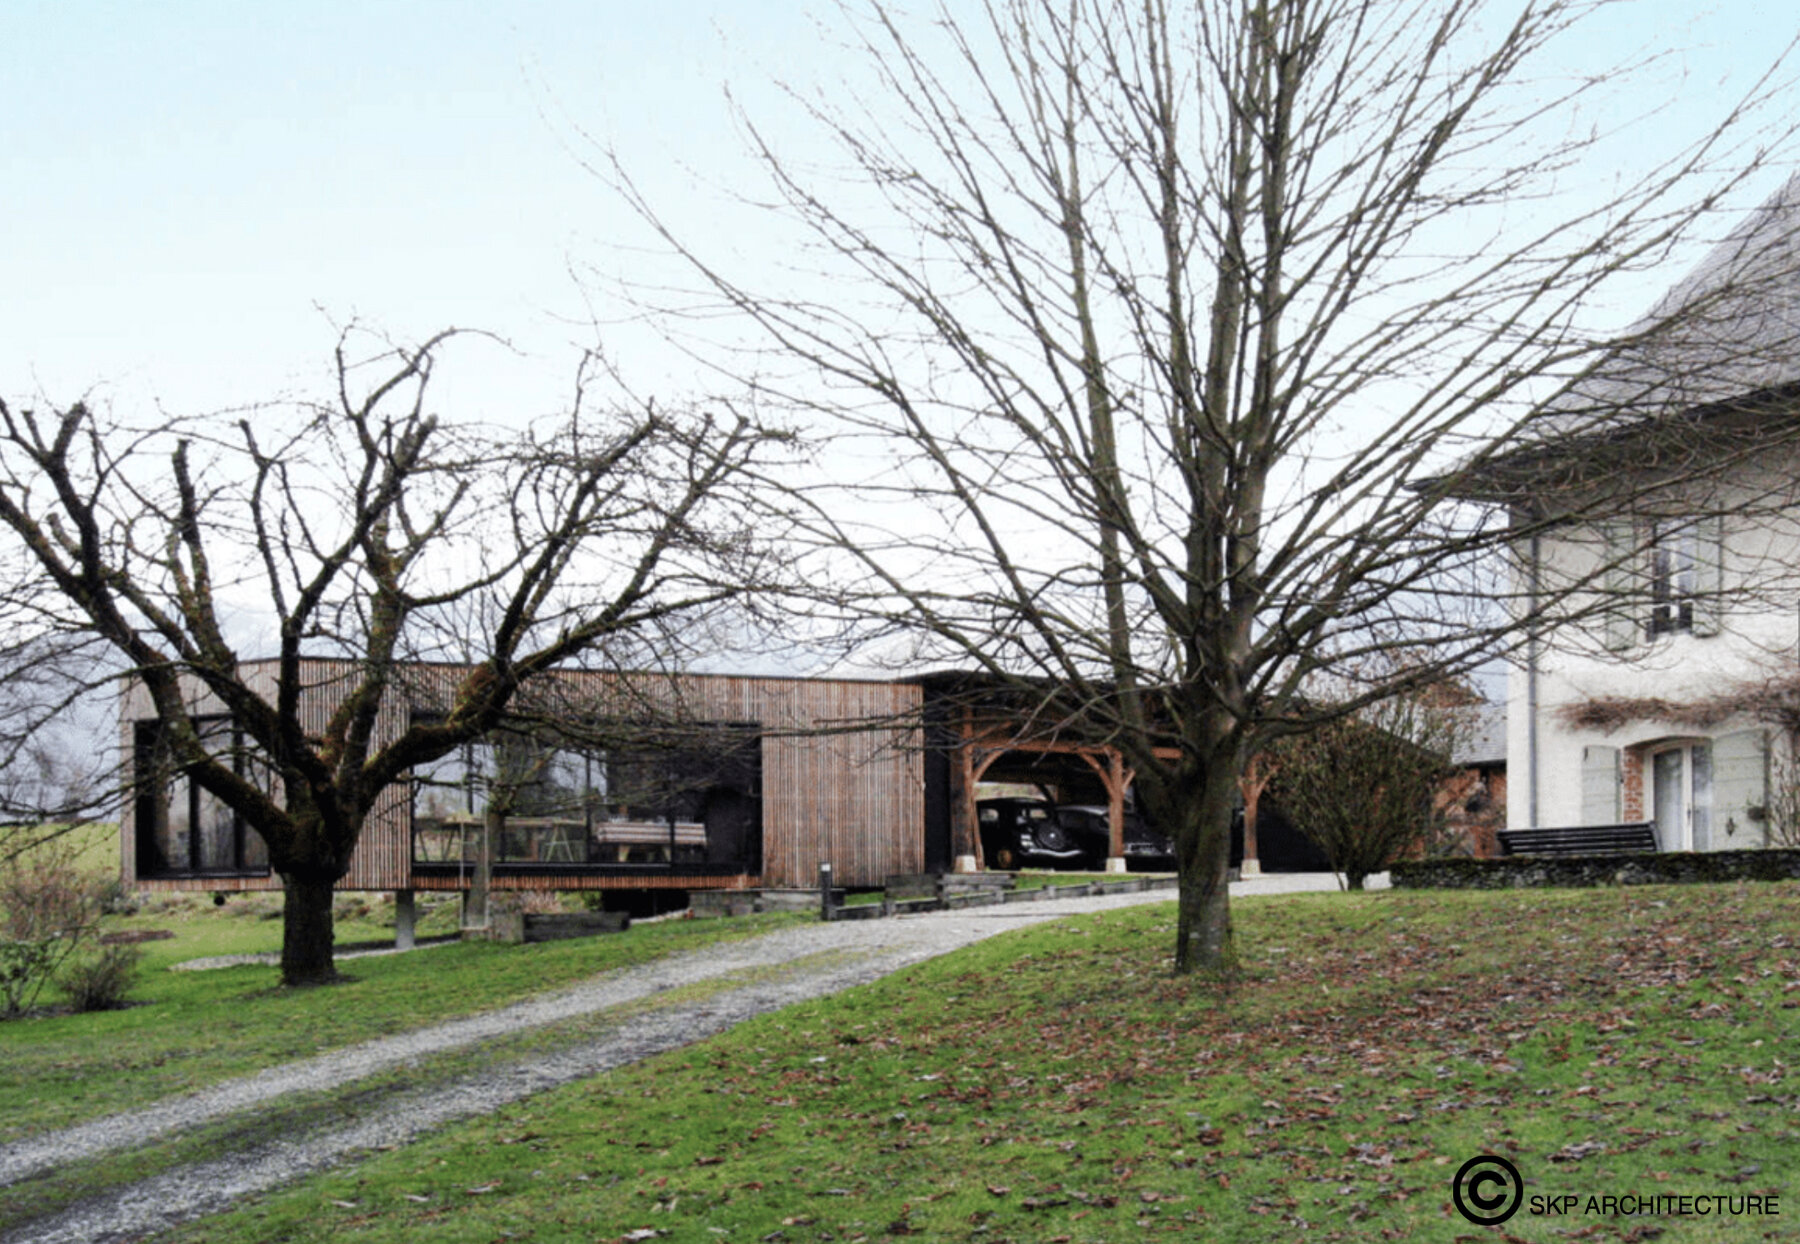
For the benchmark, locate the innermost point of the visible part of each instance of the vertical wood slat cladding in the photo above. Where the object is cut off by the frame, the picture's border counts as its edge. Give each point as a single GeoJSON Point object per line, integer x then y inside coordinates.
{"type": "Point", "coordinates": [842, 772]}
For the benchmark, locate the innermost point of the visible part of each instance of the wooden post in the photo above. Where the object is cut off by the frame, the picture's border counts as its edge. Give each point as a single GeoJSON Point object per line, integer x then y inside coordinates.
{"type": "Point", "coordinates": [825, 895]}
{"type": "Point", "coordinates": [965, 832]}
{"type": "Point", "coordinates": [1256, 776]}
{"type": "Point", "coordinates": [1115, 811]}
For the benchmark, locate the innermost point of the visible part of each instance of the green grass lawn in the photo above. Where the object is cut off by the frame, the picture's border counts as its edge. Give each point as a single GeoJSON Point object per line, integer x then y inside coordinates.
{"type": "Point", "coordinates": [1057, 1085]}
{"type": "Point", "coordinates": [190, 1029]}
{"type": "Point", "coordinates": [92, 845]}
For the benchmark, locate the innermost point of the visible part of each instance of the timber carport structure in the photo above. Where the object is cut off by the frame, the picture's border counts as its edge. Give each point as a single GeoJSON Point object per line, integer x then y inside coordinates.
{"type": "Point", "coordinates": [981, 729]}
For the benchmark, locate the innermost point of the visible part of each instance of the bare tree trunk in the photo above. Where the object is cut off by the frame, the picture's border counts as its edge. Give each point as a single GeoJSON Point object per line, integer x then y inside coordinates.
{"type": "Point", "coordinates": [1197, 797]}
{"type": "Point", "coordinates": [306, 930]}
{"type": "Point", "coordinates": [1203, 941]}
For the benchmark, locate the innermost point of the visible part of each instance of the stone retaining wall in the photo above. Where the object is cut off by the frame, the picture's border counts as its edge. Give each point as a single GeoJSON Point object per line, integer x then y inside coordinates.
{"type": "Point", "coordinates": [1664, 868]}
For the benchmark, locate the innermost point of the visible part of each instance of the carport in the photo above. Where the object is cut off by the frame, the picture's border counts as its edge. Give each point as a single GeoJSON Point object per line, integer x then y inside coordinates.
{"type": "Point", "coordinates": [982, 730]}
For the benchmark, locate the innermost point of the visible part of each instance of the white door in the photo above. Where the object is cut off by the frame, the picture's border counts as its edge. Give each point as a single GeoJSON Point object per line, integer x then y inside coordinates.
{"type": "Point", "coordinates": [1681, 792]}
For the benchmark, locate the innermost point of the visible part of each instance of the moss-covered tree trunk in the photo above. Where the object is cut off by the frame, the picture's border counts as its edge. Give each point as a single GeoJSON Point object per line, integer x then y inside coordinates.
{"type": "Point", "coordinates": [306, 929]}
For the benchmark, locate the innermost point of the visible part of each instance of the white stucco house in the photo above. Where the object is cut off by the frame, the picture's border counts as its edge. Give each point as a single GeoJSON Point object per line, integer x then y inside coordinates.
{"type": "Point", "coordinates": [1669, 690]}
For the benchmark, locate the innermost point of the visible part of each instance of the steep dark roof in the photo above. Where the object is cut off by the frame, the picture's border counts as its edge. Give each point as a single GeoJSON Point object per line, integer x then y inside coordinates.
{"type": "Point", "coordinates": [1717, 355]}
{"type": "Point", "coordinates": [1730, 328]}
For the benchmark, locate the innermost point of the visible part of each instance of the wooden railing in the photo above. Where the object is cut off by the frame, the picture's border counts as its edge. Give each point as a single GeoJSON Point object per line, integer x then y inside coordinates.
{"type": "Point", "coordinates": [556, 840]}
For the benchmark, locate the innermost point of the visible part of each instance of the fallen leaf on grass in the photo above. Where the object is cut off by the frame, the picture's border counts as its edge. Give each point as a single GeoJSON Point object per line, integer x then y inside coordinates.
{"type": "Point", "coordinates": [1576, 1152]}
{"type": "Point", "coordinates": [482, 1190]}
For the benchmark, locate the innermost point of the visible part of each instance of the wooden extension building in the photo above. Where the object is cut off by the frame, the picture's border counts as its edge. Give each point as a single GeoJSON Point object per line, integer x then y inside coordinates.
{"type": "Point", "coordinates": [686, 782]}
{"type": "Point", "coordinates": [643, 782]}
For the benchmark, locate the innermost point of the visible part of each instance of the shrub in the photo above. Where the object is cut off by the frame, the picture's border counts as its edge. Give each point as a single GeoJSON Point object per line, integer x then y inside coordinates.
{"type": "Point", "coordinates": [26, 966]}
{"type": "Point", "coordinates": [1366, 787]}
{"type": "Point", "coordinates": [48, 910]}
{"type": "Point", "coordinates": [101, 983]}
{"type": "Point", "coordinates": [118, 901]}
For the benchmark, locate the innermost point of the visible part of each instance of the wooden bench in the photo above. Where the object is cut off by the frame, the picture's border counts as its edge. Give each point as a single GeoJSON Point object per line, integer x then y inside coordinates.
{"type": "Point", "coordinates": [1580, 840]}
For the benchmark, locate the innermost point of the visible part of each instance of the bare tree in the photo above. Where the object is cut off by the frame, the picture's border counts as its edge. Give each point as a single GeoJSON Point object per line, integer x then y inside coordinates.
{"type": "Point", "coordinates": [1191, 326]}
{"type": "Point", "coordinates": [367, 528]}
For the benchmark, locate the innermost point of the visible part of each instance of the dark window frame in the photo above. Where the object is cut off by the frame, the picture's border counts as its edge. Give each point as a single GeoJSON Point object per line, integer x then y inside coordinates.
{"type": "Point", "coordinates": [150, 802]}
{"type": "Point", "coordinates": [1674, 551]}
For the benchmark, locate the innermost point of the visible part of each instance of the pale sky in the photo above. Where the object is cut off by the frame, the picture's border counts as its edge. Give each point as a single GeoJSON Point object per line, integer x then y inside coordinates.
{"type": "Point", "coordinates": [197, 189]}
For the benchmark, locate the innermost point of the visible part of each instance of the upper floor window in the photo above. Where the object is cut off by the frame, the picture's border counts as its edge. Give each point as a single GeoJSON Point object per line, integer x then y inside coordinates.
{"type": "Point", "coordinates": [1674, 577]}
{"type": "Point", "coordinates": [1662, 577]}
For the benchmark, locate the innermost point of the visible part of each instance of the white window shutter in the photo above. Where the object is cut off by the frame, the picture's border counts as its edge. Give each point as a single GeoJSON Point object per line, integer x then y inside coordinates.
{"type": "Point", "coordinates": [1740, 783]}
{"type": "Point", "coordinates": [1599, 785]}
{"type": "Point", "coordinates": [1709, 574]}
{"type": "Point", "coordinates": [1622, 603]}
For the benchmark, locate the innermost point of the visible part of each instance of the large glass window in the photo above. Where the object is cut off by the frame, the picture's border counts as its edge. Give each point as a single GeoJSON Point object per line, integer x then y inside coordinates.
{"type": "Point", "coordinates": [184, 829]}
{"type": "Point", "coordinates": [597, 795]}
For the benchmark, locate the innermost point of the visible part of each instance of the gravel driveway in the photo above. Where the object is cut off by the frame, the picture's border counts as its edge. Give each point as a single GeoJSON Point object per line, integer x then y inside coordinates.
{"type": "Point", "coordinates": [745, 979]}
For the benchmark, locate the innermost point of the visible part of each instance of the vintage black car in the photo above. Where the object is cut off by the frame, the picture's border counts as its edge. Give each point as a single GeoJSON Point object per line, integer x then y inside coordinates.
{"type": "Point", "coordinates": [1017, 833]}
{"type": "Point", "coordinates": [1086, 826]}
